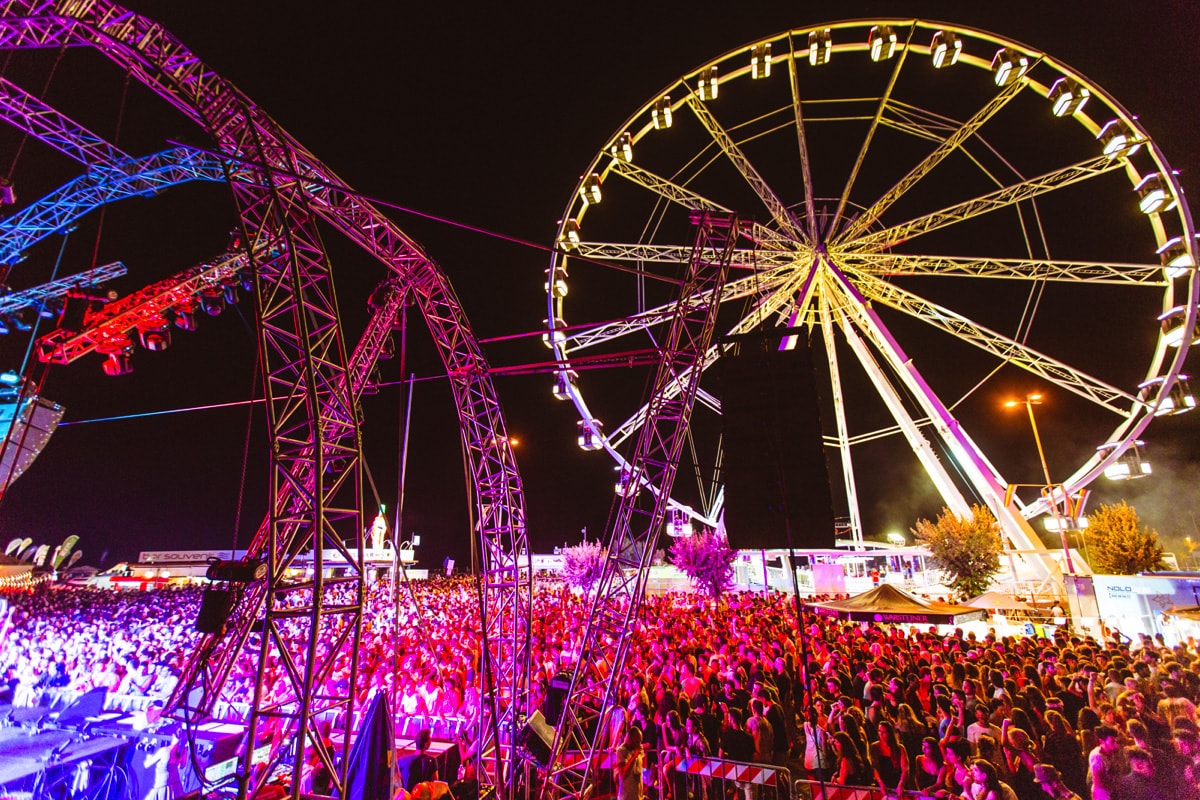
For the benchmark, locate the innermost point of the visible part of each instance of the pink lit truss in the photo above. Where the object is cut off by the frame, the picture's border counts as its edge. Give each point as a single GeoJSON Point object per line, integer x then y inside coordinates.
{"type": "Point", "coordinates": [641, 508]}
{"type": "Point", "coordinates": [310, 383]}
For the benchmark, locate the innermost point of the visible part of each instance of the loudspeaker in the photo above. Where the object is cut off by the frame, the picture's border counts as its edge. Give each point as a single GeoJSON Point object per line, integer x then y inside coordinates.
{"type": "Point", "coordinates": [556, 697]}
{"type": "Point", "coordinates": [775, 473]}
{"type": "Point", "coordinates": [537, 739]}
{"type": "Point", "coordinates": [215, 605]}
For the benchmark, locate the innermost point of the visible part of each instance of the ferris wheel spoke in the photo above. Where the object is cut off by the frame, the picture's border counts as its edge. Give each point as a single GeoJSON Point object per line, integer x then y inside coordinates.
{"type": "Point", "coordinates": [770, 283]}
{"type": "Point", "coordinates": [758, 233]}
{"type": "Point", "coordinates": [870, 137]}
{"type": "Point", "coordinates": [930, 162]}
{"type": "Point", "coordinates": [772, 304]}
{"type": "Point", "coordinates": [896, 264]}
{"type": "Point", "coordinates": [802, 142]}
{"type": "Point", "coordinates": [743, 258]}
{"type": "Point", "coordinates": [779, 212]}
{"type": "Point", "coordinates": [1002, 198]}
{"type": "Point", "coordinates": [1008, 350]}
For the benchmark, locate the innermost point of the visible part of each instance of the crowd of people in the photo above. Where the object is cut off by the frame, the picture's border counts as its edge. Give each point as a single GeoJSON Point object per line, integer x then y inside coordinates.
{"type": "Point", "coordinates": [952, 716]}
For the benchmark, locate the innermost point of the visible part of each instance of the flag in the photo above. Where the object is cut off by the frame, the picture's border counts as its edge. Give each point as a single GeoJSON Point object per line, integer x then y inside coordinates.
{"type": "Point", "coordinates": [64, 550]}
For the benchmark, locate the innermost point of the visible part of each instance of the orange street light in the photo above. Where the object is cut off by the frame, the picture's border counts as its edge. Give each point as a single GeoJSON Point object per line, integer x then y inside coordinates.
{"type": "Point", "coordinates": [1029, 401]}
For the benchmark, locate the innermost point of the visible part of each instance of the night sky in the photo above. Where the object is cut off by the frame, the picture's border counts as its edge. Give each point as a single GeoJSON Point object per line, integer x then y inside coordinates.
{"type": "Point", "coordinates": [484, 115]}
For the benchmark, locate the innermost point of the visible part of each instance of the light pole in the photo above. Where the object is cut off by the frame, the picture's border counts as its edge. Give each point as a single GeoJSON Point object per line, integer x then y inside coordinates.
{"type": "Point", "coordinates": [1029, 401]}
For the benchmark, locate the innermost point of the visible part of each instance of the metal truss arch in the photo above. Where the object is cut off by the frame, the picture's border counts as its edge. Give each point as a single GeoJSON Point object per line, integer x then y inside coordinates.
{"type": "Point", "coordinates": [281, 189]}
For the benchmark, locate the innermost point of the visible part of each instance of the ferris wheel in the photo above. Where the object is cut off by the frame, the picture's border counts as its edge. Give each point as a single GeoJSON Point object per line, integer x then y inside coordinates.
{"type": "Point", "coordinates": [942, 214]}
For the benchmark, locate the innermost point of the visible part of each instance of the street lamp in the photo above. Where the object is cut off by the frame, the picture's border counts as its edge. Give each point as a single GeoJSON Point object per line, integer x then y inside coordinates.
{"type": "Point", "coordinates": [1029, 401]}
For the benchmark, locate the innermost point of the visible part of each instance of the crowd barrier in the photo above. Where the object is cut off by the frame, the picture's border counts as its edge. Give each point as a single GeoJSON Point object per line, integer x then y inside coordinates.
{"type": "Point", "coordinates": [58, 699]}
{"type": "Point", "coordinates": [814, 790]}
{"type": "Point", "coordinates": [406, 726]}
{"type": "Point", "coordinates": [712, 776]}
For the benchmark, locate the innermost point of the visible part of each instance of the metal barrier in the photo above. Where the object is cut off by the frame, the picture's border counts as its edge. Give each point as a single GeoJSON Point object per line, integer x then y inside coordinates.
{"type": "Point", "coordinates": [812, 790]}
{"type": "Point", "coordinates": [711, 777]}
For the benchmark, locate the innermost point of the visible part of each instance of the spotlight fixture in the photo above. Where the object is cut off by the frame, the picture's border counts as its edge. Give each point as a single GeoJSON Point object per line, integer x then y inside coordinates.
{"type": "Point", "coordinates": [1008, 66]}
{"type": "Point", "coordinates": [820, 47]}
{"type": "Point", "coordinates": [185, 318]}
{"type": "Point", "coordinates": [155, 338]}
{"type": "Point", "coordinates": [708, 83]}
{"type": "Point", "coordinates": [882, 42]}
{"type": "Point", "coordinates": [661, 115]}
{"type": "Point", "coordinates": [945, 49]}
{"type": "Point", "coordinates": [118, 362]}
{"type": "Point", "coordinates": [1067, 97]}
{"type": "Point", "coordinates": [760, 61]}
{"type": "Point", "coordinates": [212, 302]}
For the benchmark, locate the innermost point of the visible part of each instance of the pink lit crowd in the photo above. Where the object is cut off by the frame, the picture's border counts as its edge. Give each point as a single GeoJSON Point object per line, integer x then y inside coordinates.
{"type": "Point", "coordinates": [900, 709]}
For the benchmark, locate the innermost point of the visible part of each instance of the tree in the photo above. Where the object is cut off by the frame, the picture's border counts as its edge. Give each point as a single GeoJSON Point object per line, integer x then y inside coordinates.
{"type": "Point", "coordinates": [582, 565]}
{"type": "Point", "coordinates": [707, 559]}
{"type": "Point", "coordinates": [1118, 543]}
{"type": "Point", "coordinates": [967, 549]}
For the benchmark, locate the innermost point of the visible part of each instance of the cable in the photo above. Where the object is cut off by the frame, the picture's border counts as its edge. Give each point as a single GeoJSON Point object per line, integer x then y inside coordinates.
{"type": "Point", "coordinates": [313, 181]}
{"type": "Point", "coordinates": [237, 516]}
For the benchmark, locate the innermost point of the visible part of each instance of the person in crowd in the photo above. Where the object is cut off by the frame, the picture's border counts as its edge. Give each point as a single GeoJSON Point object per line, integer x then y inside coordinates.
{"type": "Point", "coordinates": [819, 759]}
{"type": "Point", "coordinates": [930, 766]}
{"type": "Point", "coordinates": [1106, 764]}
{"type": "Point", "coordinates": [420, 766]}
{"type": "Point", "coordinates": [736, 743]}
{"type": "Point", "coordinates": [852, 769]}
{"type": "Point", "coordinates": [875, 684]}
{"type": "Point", "coordinates": [1051, 783]}
{"type": "Point", "coordinates": [1141, 782]}
{"type": "Point", "coordinates": [628, 764]}
{"type": "Point", "coordinates": [889, 759]}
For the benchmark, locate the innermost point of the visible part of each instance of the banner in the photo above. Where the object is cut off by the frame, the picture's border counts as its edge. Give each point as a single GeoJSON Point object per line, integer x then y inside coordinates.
{"type": "Point", "coordinates": [64, 550]}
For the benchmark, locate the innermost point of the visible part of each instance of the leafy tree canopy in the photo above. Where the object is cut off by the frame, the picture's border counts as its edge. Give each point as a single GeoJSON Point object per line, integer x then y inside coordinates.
{"type": "Point", "coordinates": [966, 549]}
{"type": "Point", "coordinates": [1118, 543]}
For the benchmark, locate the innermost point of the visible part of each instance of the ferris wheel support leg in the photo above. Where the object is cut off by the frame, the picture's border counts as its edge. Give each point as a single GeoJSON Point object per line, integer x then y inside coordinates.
{"type": "Point", "coordinates": [920, 445]}
{"type": "Point", "coordinates": [839, 410]}
{"type": "Point", "coordinates": [967, 457]}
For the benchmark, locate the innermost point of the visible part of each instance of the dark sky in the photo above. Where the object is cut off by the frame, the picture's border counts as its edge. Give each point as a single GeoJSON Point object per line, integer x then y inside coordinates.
{"type": "Point", "coordinates": [485, 114]}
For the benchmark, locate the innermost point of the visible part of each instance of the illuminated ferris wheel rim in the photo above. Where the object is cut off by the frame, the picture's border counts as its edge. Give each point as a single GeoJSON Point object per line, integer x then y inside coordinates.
{"type": "Point", "coordinates": [787, 247]}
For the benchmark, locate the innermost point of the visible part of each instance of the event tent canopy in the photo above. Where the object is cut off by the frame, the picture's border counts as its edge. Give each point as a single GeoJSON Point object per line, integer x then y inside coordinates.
{"type": "Point", "coordinates": [886, 603]}
{"type": "Point", "coordinates": [998, 601]}
{"type": "Point", "coordinates": [1184, 612]}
